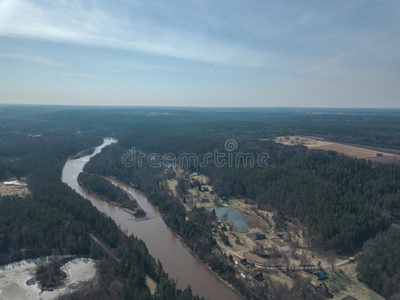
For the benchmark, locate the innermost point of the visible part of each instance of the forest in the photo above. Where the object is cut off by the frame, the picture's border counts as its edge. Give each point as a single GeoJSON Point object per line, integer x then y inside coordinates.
{"type": "Point", "coordinates": [379, 266]}
{"type": "Point", "coordinates": [54, 220]}
{"type": "Point", "coordinates": [109, 192]}
{"type": "Point", "coordinates": [350, 200]}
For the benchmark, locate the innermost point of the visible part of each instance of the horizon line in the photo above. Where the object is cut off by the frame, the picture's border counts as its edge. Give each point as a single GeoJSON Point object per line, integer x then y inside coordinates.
{"type": "Point", "coordinates": [197, 106]}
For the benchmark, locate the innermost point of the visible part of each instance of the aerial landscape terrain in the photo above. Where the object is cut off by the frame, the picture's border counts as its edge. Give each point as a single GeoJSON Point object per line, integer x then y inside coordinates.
{"type": "Point", "coordinates": [199, 150]}
{"type": "Point", "coordinates": [311, 223]}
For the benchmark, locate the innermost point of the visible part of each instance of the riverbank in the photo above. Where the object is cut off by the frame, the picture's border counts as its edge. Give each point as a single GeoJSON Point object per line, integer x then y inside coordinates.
{"type": "Point", "coordinates": [137, 213]}
{"type": "Point", "coordinates": [206, 264]}
{"type": "Point", "coordinates": [161, 242]}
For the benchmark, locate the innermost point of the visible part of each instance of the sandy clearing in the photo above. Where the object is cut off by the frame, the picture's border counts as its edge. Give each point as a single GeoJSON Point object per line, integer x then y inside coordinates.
{"type": "Point", "coordinates": [151, 284]}
{"type": "Point", "coordinates": [14, 187]}
{"type": "Point", "coordinates": [172, 184]}
{"type": "Point", "coordinates": [349, 150]}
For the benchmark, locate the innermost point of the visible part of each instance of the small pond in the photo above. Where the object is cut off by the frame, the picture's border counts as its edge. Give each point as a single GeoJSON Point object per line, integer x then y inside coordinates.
{"type": "Point", "coordinates": [234, 216]}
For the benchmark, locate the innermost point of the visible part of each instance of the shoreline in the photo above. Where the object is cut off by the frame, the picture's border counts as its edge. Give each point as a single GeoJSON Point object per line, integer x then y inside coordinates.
{"type": "Point", "coordinates": [129, 211]}
{"type": "Point", "coordinates": [215, 274]}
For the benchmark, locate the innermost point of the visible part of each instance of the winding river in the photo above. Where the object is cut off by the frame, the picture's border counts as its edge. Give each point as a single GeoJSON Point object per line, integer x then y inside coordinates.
{"type": "Point", "coordinates": [177, 260]}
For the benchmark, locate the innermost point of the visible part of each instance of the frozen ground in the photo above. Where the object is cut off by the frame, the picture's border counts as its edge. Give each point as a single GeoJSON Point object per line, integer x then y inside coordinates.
{"type": "Point", "coordinates": [16, 279]}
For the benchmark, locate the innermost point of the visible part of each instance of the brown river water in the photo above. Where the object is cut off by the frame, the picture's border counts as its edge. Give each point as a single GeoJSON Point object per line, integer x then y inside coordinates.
{"type": "Point", "coordinates": [177, 260]}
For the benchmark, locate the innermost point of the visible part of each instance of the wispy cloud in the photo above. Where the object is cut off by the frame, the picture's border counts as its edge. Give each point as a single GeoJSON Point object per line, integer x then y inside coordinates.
{"type": "Point", "coordinates": [262, 50]}
{"type": "Point", "coordinates": [74, 22]}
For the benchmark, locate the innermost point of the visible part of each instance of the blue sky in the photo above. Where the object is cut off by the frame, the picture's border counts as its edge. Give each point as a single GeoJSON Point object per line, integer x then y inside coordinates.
{"type": "Point", "coordinates": [201, 52]}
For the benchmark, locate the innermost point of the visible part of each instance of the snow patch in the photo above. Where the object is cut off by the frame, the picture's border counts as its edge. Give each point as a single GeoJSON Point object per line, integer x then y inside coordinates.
{"type": "Point", "coordinates": [16, 279]}
{"type": "Point", "coordinates": [14, 182]}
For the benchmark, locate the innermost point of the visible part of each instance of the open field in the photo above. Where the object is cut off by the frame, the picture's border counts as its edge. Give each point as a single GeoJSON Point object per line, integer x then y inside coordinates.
{"type": "Point", "coordinates": [357, 151]}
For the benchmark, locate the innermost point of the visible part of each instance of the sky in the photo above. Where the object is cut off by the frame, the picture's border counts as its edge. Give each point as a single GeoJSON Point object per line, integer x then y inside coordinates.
{"type": "Point", "coordinates": [323, 53]}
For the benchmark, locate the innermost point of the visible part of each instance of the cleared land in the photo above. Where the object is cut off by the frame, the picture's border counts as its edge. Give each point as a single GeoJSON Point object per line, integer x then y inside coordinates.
{"type": "Point", "coordinates": [284, 248]}
{"type": "Point", "coordinates": [357, 151]}
{"type": "Point", "coordinates": [13, 186]}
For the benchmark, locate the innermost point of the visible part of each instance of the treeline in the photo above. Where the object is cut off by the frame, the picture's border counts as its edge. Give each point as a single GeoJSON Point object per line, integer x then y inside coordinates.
{"type": "Point", "coordinates": [379, 264]}
{"type": "Point", "coordinates": [373, 127]}
{"type": "Point", "coordinates": [108, 192]}
{"type": "Point", "coordinates": [21, 155]}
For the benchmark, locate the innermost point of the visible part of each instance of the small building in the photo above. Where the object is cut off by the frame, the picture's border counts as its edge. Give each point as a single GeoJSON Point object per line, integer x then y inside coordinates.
{"type": "Point", "coordinates": [244, 262]}
{"type": "Point", "coordinates": [379, 154]}
{"type": "Point", "coordinates": [260, 237]}
{"type": "Point", "coordinates": [205, 189]}
{"type": "Point", "coordinates": [259, 277]}
{"type": "Point", "coordinates": [205, 199]}
{"type": "Point", "coordinates": [320, 275]}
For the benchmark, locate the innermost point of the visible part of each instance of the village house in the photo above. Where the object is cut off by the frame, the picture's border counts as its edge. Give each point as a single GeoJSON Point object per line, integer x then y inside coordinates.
{"type": "Point", "coordinates": [320, 275]}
